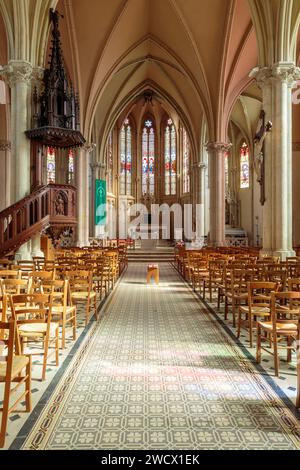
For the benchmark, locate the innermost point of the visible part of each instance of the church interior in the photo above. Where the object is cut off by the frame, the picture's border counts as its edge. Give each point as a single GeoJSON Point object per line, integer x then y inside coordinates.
{"type": "Point", "coordinates": [149, 226]}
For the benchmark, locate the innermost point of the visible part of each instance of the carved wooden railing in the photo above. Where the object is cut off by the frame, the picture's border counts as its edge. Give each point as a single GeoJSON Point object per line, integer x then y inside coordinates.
{"type": "Point", "coordinates": [52, 205]}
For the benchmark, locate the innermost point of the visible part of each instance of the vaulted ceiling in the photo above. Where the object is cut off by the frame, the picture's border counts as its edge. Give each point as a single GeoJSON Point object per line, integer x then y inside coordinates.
{"type": "Point", "coordinates": [195, 54]}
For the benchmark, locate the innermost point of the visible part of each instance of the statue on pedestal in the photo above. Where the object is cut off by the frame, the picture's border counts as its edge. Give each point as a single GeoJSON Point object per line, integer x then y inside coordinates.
{"type": "Point", "coordinates": [259, 156]}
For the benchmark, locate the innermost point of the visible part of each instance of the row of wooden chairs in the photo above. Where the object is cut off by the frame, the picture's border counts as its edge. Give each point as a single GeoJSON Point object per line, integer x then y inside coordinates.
{"type": "Point", "coordinates": [39, 299]}
{"type": "Point", "coordinates": [261, 293]}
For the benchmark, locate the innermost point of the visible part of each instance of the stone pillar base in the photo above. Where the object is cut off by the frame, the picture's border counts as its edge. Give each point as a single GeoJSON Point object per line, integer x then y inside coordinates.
{"type": "Point", "coordinates": [36, 246]}
{"type": "Point", "coordinates": [82, 243]}
{"type": "Point", "coordinates": [216, 244]}
{"type": "Point", "coordinates": [284, 254]}
{"type": "Point", "coordinates": [23, 252]}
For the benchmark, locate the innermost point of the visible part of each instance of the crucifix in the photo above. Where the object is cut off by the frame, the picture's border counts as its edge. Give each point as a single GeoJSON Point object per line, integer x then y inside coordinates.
{"type": "Point", "coordinates": [259, 152]}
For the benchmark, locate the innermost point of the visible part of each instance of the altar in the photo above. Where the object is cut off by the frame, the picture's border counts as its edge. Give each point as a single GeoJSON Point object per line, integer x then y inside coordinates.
{"type": "Point", "coordinates": [149, 232]}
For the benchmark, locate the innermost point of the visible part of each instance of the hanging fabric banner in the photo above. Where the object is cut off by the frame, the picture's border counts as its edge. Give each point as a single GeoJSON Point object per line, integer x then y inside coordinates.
{"type": "Point", "coordinates": [100, 202]}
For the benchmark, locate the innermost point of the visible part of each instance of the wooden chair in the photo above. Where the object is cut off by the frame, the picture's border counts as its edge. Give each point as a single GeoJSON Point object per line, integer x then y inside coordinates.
{"type": "Point", "coordinates": [101, 276]}
{"type": "Point", "coordinates": [293, 269]}
{"type": "Point", "coordinates": [3, 312]}
{"type": "Point", "coordinates": [294, 285]}
{"type": "Point", "coordinates": [235, 290]}
{"type": "Point", "coordinates": [14, 286]}
{"type": "Point", "coordinates": [38, 261]}
{"type": "Point", "coordinates": [37, 277]}
{"type": "Point", "coordinates": [113, 258]}
{"type": "Point", "coordinates": [283, 324]}
{"type": "Point", "coordinates": [258, 305]}
{"type": "Point", "coordinates": [5, 263]}
{"type": "Point", "coordinates": [12, 370]}
{"type": "Point", "coordinates": [42, 264]}
{"type": "Point", "coordinates": [276, 272]}
{"type": "Point", "coordinates": [200, 273]}
{"type": "Point", "coordinates": [10, 274]}
{"type": "Point", "coordinates": [82, 291]}
{"type": "Point", "coordinates": [269, 259]}
{"type": "Point", "coordinates": [26, 267]}
{"type": "Point", "coordinates": [62, 307]}
{"type": "Point", "coordinates": [33, 316]}
{"type": "Point", "coordinates": [217, 272]}
{"type": "Point", "coordinates": [192, 256]}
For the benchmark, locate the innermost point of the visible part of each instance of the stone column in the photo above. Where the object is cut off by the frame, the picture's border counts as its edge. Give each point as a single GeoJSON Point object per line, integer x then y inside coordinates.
{"type": "Point", "coordinates": [202, 197]}
{"type": "Point", "coordinates": [18, 75]}
{"type": "Point", "coordinates": [216, 152]}
{"type": "Point", "coordinates": [198, 197]}
{"type": "Point", "coordinates": [276, 83]}
{"type": "Point", "coordinates": [82, 179]}
{"type": "Point", "coordinates": [36, 246]}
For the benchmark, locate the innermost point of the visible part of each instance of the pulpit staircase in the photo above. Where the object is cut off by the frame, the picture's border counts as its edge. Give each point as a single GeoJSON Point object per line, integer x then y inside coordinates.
{"type": "Point", "coordinates": [50, 206]}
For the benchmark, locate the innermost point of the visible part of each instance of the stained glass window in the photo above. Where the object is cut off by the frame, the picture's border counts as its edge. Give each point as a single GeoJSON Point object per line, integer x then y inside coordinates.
{"type": "Point", "coordinates": [71, 167]}
{"type": "Point", "coordinates": [148, 158]}
{"type": "Point", "coordinates": [109, 160]}
{"type": "Point", "coordinates": [186, 162]}
{"type": "Point", "coordinates": [50, 165]}
{"type": "Point", "coordinates": [170, 158]}
{"type": "Point", "coordinates": [244, 166]}
{"type": "Point", "coordinates": [125, 159]}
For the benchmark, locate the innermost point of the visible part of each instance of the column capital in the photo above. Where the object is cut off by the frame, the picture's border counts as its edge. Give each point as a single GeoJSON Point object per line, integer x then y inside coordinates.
{"type": "Point", "coordinates": [88, 147]}
{"type": "Point", "coordinates": [199, 166]}
{"type": "Point", "coordinates": [281, 71]}
{"type": "Point", "coordinates": [218, 146]}
{"type": "Point", "coordinates": [38, 76]}
{"type": "Point", "coordinates": [5, 145]}
{"type": "Point", "coordinates": [17, 71]}
{"type": "Point", "coordinates": [97, 165]}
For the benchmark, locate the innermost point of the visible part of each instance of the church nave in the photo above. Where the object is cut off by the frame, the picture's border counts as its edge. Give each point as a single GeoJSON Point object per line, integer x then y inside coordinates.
{"type": "Point", "coordinates": [158, 371]}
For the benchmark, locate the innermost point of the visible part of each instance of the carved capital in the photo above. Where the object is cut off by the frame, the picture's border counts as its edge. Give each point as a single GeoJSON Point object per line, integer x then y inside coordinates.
{"type": "Point", "coordinates": [89, 147]}
{"type": "Point", "coordinates": [5, 145]}
{"type": "Point", "coordinates": [37, 76]}
{"type": "Point", "coordinates": [17, 71]}
{"type": "Point", "coordinates": [199, 166]}
{"type": "Point", "coordinates": [97, 166]}
{"type": "Point", "coordinates": [282, 72]}
{"type": "Point", "coordinates": [202, 166]}
{"type": "Point", "coordinates": [218, 147]}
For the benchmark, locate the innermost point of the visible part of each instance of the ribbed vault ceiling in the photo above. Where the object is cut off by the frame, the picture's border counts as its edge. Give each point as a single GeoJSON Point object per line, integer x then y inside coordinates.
{"type": "Point", "coordinates": [199, 53]}
{"type": "Point", "coordinates": [195, 54]}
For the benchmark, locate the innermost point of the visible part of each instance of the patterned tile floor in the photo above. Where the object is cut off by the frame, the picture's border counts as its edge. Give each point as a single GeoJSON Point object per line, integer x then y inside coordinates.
{"type": "Point", "coordinates": [159, 372]}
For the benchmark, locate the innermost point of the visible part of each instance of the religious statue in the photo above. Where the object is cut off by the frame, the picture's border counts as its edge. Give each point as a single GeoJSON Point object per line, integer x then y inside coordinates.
{"type": "Point", "coordinates": [261, 132]}
{"type": "Point", "coordinates": [59, 205]}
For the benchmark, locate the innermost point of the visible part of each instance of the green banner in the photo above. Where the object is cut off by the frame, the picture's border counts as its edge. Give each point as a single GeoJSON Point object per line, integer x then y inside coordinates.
{"type": "Point", "coordinates": [100, 202]}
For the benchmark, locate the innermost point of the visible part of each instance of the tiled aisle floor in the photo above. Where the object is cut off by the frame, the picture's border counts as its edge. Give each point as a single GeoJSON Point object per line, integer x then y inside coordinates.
{"type": "Point", "coordinates": [159, 372]}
